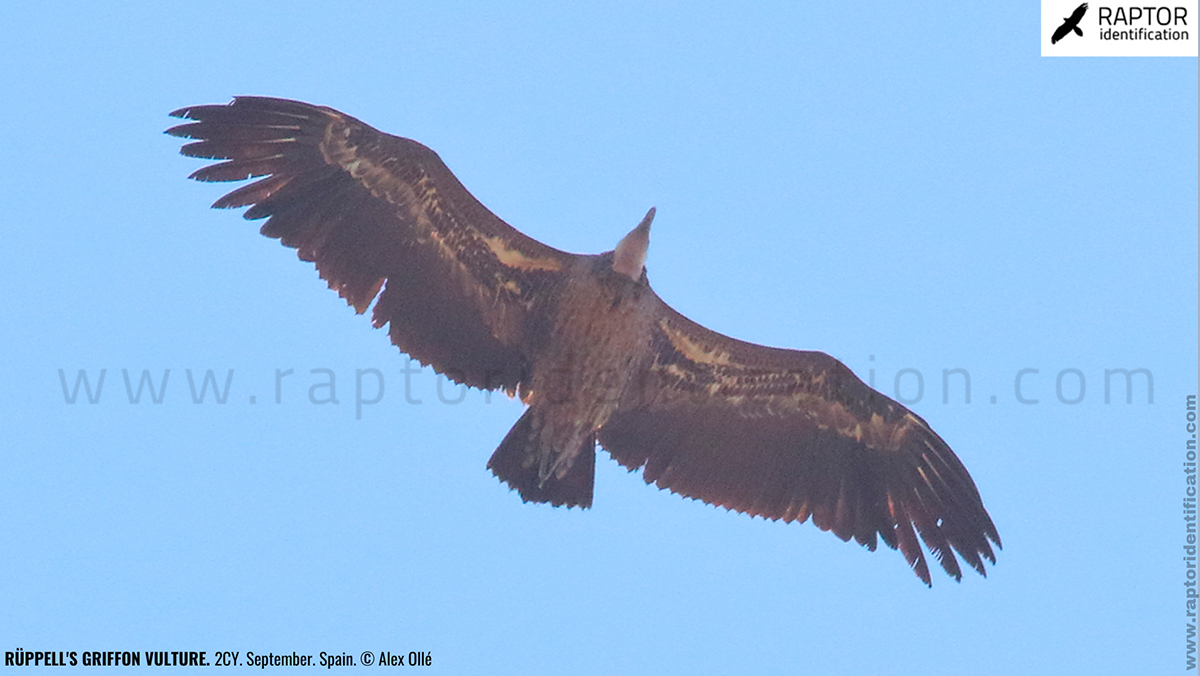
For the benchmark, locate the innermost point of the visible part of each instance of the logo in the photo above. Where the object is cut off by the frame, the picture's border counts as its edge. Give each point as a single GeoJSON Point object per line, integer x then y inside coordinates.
{"type": "Point", "coordinates": [1119, 28]}
{"type": "Point", "coordinates": [1070, 24]}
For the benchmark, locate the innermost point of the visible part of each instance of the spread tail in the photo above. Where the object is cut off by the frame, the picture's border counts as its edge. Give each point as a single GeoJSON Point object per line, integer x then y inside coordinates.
{"type": "Point", "coordinates": [518, 460]}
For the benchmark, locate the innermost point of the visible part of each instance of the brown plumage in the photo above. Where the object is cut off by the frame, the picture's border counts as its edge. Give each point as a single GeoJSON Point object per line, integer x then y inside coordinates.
{"type": "Point", "coordinates": [587, 344]}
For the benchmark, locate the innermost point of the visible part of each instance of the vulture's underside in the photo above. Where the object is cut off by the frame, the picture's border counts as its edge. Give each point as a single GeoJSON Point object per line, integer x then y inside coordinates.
{"type": "Point", "coordinates": [781, 434]}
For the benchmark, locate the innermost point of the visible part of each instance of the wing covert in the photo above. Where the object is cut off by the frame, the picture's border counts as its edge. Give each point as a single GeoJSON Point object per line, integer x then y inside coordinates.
{"type": "Point", "coordinates": [790, 435]}
{"type": "Point", "coordinates": [461, 289]}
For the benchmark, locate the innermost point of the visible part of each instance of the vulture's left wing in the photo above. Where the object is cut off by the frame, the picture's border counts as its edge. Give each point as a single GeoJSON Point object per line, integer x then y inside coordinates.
{"type": "Point", "coordinates": [463, 288]}
{"type": "Point", "coordinates": [787, 435]}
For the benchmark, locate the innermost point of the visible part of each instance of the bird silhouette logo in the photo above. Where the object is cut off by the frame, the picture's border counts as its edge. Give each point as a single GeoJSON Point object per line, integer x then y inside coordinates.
{"type": "Point", "coordinates": [1069, 24]}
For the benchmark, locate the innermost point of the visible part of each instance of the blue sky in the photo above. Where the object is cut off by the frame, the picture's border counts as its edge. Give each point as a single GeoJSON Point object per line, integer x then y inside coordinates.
{"type": "Point", "coordinates": [910, 189]}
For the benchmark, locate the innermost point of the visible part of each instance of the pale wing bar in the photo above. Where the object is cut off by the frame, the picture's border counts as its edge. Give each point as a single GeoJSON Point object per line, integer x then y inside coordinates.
{"type": "Point", "coordinates": [790, 435]}
{"type": "Point", "coordinates": [368, 209]}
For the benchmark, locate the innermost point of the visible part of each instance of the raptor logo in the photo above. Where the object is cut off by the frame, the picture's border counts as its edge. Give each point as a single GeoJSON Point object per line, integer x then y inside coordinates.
{"type": "Point", "coordinates": [1070, 23]}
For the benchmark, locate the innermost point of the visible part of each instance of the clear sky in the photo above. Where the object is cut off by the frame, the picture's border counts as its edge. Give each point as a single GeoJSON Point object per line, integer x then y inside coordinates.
{"type": "Point", "coordinates": [909, 188]}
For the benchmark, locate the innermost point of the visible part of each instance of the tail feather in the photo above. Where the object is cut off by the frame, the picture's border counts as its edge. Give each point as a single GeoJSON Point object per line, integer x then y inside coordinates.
{"type": "Point", "coordinates": [516, 463]}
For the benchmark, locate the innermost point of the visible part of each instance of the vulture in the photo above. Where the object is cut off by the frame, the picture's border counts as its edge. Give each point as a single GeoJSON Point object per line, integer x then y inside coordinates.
{"type": "Point", "coordinates": [585, 342]}
{"type": "Point", "coordinates": [1070, 23]}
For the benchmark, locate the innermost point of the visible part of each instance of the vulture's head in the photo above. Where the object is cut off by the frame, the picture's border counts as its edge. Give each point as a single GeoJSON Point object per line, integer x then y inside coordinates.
{"type": "Point", "coordinates": [629, 259]}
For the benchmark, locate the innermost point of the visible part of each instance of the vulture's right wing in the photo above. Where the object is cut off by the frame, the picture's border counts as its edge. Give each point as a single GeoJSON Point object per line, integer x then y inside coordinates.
{"type": "Point", "coordinates": [463, 288]}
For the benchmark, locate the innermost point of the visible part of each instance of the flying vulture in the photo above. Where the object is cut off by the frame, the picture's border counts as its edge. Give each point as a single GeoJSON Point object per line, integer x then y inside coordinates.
{"type": "Point", "coordinates": [1069, 24]}
{"type": "Point", "coordinates": [587, 344]}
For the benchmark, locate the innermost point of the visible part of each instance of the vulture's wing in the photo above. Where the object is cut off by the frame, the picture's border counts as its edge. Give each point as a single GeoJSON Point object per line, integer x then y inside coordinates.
{"type": "Point", "coordinates": [460, 286]}
{"type": "Point", "coordinates": [1061, 32]}
{"type": "Point", "coordinates": [787, 435]}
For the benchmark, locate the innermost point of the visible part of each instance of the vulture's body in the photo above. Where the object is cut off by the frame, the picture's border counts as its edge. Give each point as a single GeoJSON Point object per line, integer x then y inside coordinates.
{"type": "Point", "coordinates": [587, 344]}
